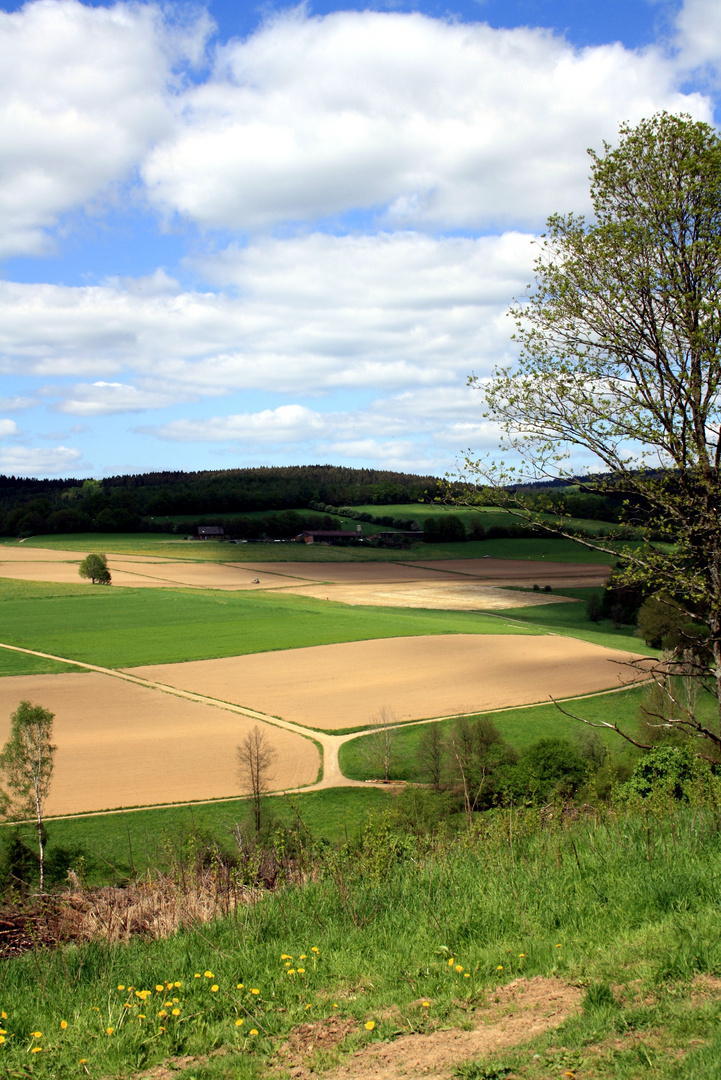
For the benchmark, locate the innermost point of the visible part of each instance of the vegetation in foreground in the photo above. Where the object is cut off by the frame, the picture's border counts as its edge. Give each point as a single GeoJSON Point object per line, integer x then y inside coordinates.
{"type": "Point", "coordinates": [409, 930]}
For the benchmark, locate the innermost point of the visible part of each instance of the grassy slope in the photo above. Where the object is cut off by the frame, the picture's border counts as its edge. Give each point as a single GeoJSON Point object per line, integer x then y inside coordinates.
{"type": "Point", "coordinates": [126, 627]}
{"type": "Point", "coordinates": [568, 903]}
{"type": "Point", "coordinates": [117, 845]}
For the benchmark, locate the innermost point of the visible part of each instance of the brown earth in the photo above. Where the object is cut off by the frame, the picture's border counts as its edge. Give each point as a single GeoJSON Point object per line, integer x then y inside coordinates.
{"type": "Point", "coordinates": [345, 685]}
{"type": "Point", "coordinates": [125, 745]}
{"type": "Point", "coordinates": [517, 1013]}
{"type": "Point", "coordinates": [460, 584]}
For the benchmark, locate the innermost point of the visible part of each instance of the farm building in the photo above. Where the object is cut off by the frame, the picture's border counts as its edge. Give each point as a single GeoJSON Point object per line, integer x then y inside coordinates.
{"type": "Point", "coordinates": [210, 532]}
{"type": "Point", "coordinates": [329, 536]}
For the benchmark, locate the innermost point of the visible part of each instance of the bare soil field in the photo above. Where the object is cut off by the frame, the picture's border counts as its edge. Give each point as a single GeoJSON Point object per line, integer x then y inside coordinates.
{"type": "Point", "coordinates": [126, 745]}
{"type": "Point", "coordinates": [343, 686]}
{"type": "Point", "coordinates": [457, 585]}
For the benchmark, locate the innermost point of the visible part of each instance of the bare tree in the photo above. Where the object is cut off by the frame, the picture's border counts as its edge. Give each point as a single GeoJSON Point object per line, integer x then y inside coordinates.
{"type": "Point", "coordinates": [255, 761]}
{"type": "Point", "coordinates": [27, 764]}
{"type": "Point", "coordinates": [378, 746]}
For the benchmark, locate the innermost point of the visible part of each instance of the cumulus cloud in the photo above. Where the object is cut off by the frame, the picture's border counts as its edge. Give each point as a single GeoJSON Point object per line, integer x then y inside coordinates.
{"type": "Point", "coordinates": [8, 427]}
{"type": "Point", "coordinates": [26, 461]}
{"type": "Point", "coordinates": [698, 34]}
{"type": "Point", "coordinates": [430, 123]}
{"type": "Point", "coordinates": [307, 315]}
{"type": "Point", "coordinates": [84, 91]}
{"type": "Point", "coordinates": [16, 404]}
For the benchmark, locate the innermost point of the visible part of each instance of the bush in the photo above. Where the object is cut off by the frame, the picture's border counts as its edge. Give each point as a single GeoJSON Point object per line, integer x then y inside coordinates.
{"type": "Point", "coordinates": [670, 770]}
{"type": "Point", "coordinates": [444, 528]}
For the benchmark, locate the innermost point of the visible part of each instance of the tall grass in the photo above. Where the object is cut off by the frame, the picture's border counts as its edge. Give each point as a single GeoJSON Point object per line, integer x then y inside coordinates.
{"type": "Point", "coordinates": [396, 921]}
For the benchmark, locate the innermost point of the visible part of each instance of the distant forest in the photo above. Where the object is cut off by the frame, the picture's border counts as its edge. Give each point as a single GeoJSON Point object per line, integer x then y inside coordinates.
{"type": "Point", "coordinates": [132, 503]}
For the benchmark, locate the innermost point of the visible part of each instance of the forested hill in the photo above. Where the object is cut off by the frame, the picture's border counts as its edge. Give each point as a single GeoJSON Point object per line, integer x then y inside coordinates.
{"type": "Point", "coordinates": [126, 503]}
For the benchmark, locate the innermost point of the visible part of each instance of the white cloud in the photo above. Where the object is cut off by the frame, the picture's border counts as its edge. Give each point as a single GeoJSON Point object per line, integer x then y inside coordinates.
{"type": "Point", "coordinates": [84, 91]}
{"type": "Point", "coordinates": [16, 404]}
{"type": "Point", "coordinates": [8, 427]}
{"type": "Point", "coordinates": [286, 424]}
{"type": "Point", "coordinates": [431, 122]}
{"type": "Point", "coordinates": [110, 398]}
{"type": "Point", "coordinates": [304, 316]}
{"type": "Point", "coordinates": [698, 34]}
{"type": "Point", "coordinates": [25, 461]}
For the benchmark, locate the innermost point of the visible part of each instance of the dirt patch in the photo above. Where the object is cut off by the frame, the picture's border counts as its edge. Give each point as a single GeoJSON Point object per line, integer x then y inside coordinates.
{"type": "Point", "coordinates": [345, 685]}
{"type": "Point", "coordinates": [445, 596]}
{"type": "Point", "coordinates": [525, 571]}
{"type": "Point", "coordinates": [518, 1012]}
{"type": "Point", "coordinates": [126, 745]}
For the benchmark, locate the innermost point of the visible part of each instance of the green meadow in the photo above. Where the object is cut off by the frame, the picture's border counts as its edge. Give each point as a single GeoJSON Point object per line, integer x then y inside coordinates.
{"type": "Point", "coordinates": [161, 545]}
{"type": "Point", "coordinates": [124, 627]}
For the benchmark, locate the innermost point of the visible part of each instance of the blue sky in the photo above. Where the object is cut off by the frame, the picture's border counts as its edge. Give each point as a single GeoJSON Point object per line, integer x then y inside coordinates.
{"type": "Point", "coordinates": [250, 235]}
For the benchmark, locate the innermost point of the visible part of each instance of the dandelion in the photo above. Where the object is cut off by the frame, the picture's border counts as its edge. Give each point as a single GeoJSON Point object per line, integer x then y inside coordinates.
{"type": "Point", "coordinates": [141, 1016]}
{"type": "Point", "coordinates": [466, 976]}
{"type": "Point", "coordinates": [287, 963]}
{"type": "Point", "coordinates": [559, 946]}
{"type": "Point", "coordinates": [162, 1013]}
{"type": "Point", "coordinates": [500, 967]}
{"type": "Point", "coordinates": [239, 1022]}
{"type": "Point", "coordinates": [426, 1004]}
{"type": "Point", "coordinates": [83, 1061]}
{"type": "Point", "coordinates": [177, 985]}
{"type": "Point", "coordinates": [197, 975]}
{"type": "Point", "coordinates": [307, 1007]}
{"type": "Point", "coordinates": [254, 991]}
{"type": "Point", "coordinates": [121, 986]}
{"type": "Point", "coordinates": [302, 956]}
{"type": "Point", "coordinates": [2, 1039]}
{"type": "Point", "coordinates": [4, 1015]}
{"type": "Point", "coordinates": [452, 961]}
{"type": "Point", "coordinates": [214, 988]}
{"type": "Point", "coordinates": [240, 986]}
{"type": "Point", "coordinates": [36, 1050]}
{"type": "Point", "coordinates": [169, 986]}
{"type": "Point", "coordinates": [176, 1012]}
{"type": "Point", "coordinates": [3, 1031]}
{"type": "Point", "coordinates": [36, 1034]}
{"type": "Point", "coordinates": [253, 1031]}
{"type": "Point", "coordinates": [301, 971]}
{"type": "Point", "coordinates": [109, 1031]}
{"type": "Point", "coordinates": [291, 971]}
{"type": "Point", "coordinates": [315, 949]}
{"type": "Point", "coordinates": [335, 1006]}
{"type": "Point", "coordinates": [459, 968]}
{"type": "Point", "coordinates": [286, 956]}
{"type": "Point", "coordinates": [161, 1030]}
{"type": "Point", "coordinates": [127, 1005]}
{"type": "Point", "coordinates": [370, 1024]}
{"type": "Point", "coordinates": [521, 955]}
{"type": "Point", "coordinates": [159, 987]}
{"type": "Point", "coordinates": [167, 1004]}
{"type": "Point", "coordinates": [209, 975]}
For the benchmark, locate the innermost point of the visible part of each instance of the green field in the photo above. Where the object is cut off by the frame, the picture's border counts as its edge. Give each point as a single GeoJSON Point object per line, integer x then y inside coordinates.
{"type": "Point", "coordinates": [520, 727]}
{"type": "Point", "coordinates": [158, 544]}
{"type": "Point", "coordinates": [487, 515]}
{"type": "Point", "coordinates": [129, 627]}
{"type": "Point", "coordinates": [119, 846]}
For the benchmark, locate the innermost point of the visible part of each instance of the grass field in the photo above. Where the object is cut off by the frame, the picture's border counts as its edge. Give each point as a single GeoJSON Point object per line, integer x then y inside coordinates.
{"type": "Point", "coordinates": [130, 627]}
{"type": "Point", "coordinates": [158, 544]}
{"type": "Point", "coordinates": [488, 516]}
{"type": "Point", "coordinates": [408, 938]}
{"type": "Point", "coordinates": [572, 621]}
{"type": "Point", "coordinates": [520, 727]}
{"type": "Point", "coordinates": [122, 845]}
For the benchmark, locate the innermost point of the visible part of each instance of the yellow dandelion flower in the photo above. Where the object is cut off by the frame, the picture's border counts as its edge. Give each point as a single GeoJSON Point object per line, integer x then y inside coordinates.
{"type": "Point", "coordinates": [286, 956]}
{"type": "Point", "coordinates": [214, 988]}
{"type": "Point", "coordinates": [2, 1039]}
{"type": "Point", "coordinates": [36, 1034]}
{"type": "Point", "coordinates": [4, 1015]}
{"type": "Point", "coordinates": [240, 986]}
{"type": "Point", "coordinates": [302, 956]}
{"type": "Point", "coordinates": [500, 967]}
{"type": "Point", "coordinates": [559, 946]}
{"type": "Point", "coordinates": [239, 1022]}
{"type": "Point", "coordinates": [452, 961]}
{"type": "Point", "coordinates": [370, 1024]}
{"type": "Point", "coordinates": [521, 955]}
{"type": "Point", "coordinates": [162, 1013]}
{"type": "Point", "coordinates": [121, 986]}
{"type": "Point", "coordinates": [36, 1050]}
{"type": "Point", "coordinates": [253, 1031]}
{"type": "Point", "coordinates": [167, 1004]}
{"type": "Point", "coordinates": [209, 975]}
{"type": "Point", "coordinates": [301, 971]}
{"type": "Point", "coordinates": [291, 971]}
{"type": "Point", "coordinates": [109, 1031]}
{"type": "Point", "coordinates": [127, 1005]}
{"type": "Point", "coordinates": [3, 1031]}
{"type": "Point", "coordinates": [315, 949]}
{"type": "Point", "coordinates": [177, 985]}
{"type": "Point", "coordinates": [426, 1004]}
{"type": "Point", "coordinates": [83, 1061]}
{"type": "Point", "coordinates": [459, 968]}
{"type": "Point", "coordinates": [466, 976]}
{"type": "Point", "coordinates": [197, 975]}
{"type": "Point", "coordinates": [169, 985]}
{"type": "Point", "coordinates": [176, 1012]}
{"type": "Point", "coordinates": [254, 991]}
{"type": "Point", "coordinates": [307, 1007]}
{"type": "Point", "coordinates": [159, 987]}
{"type": "Point", "coordinates": [287, 963]}
{"type": "Point", "coordinates": [335, 1006]}
{"type": "Point", "coordinates": [141, 1016]}
{"type": "Point", "coordinates": [161, 1029]}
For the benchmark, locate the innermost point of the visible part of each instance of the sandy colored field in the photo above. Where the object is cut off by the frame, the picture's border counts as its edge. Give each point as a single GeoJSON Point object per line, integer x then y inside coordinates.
{"type": "Point", "coordinates": [458, 585]}
{"type": "Point", "coordinates": [125, 745]}
{"type": "Point", "coordinates": [445, 595]}
{"type": "Point", "coordinates": [341, 686]}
